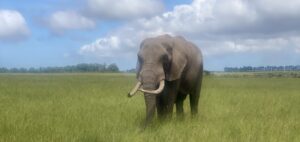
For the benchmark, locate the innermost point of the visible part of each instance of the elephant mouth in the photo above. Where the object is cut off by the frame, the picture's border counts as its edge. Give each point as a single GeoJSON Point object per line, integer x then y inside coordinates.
{"type": "Point", "coordinates": [138, 87]}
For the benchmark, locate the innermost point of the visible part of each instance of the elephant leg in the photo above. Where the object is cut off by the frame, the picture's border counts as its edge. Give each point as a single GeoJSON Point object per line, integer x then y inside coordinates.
{"type": "Point", "coordinates": [179, 104]}
{"type": "Point", "coordinates": [162, 105]}
{"type": "Point", "coordinates": [195, 94]}
{"type": "Point", "coordinates": [194, 100]}
{"type": "Point", "coordinates": [167, 98]}
{"type": "Point", "coordinates": [172, 96]}
{"type": "Point", "coordinates": [159, 106]}
{"type": "Point", "coordinates": [165, 106]}
{"type": "Point", "coordinates": [194, 97]}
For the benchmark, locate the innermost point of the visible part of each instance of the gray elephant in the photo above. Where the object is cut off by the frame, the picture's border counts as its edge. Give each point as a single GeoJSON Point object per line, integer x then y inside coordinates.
{"type": "Point", "coordinates": [168, 69]}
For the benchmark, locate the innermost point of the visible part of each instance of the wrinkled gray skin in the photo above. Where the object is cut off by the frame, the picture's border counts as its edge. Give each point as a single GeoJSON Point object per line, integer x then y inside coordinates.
{"type": "Point", "coordinates": [179, 63]}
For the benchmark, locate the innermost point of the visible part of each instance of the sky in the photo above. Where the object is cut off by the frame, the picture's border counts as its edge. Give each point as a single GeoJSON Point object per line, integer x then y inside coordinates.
{"type": "Point", "coordinates": [228, 32]}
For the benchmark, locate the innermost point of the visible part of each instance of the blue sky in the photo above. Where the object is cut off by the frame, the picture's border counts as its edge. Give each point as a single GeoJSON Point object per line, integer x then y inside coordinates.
{"type": "Point", "coordinates": [229, 32]}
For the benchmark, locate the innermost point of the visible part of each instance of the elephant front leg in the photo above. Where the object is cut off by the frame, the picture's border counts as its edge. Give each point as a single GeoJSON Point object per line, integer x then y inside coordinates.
{"type": "Point", "coordinates": [160, 106]}
{"type": "Point", "coordinates": [179, 104]}
{"type": "Point", "coordinates": [168, 98]}
{"type": "Point", "coordinates": [163, 106]}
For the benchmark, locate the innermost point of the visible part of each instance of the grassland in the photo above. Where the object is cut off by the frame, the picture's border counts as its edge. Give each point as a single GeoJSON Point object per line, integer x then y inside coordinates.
{"type": "Point", "coordinates": [94, 107]}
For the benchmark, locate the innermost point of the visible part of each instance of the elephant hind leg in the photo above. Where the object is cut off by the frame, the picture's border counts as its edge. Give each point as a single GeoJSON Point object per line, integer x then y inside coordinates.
{"type": "Point", "coordinates": [194, 99]}
{"type": "Point", "coordinates": [195, 94]}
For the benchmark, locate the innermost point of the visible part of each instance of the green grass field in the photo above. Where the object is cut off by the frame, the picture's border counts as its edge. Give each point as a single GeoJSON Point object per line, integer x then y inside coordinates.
{"type": "Point", "coordinates": [94, 107]}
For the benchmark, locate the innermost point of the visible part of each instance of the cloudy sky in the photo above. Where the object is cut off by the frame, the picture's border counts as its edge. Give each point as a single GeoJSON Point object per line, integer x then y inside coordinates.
{"type": "Point", "coordinates": [229, 32]}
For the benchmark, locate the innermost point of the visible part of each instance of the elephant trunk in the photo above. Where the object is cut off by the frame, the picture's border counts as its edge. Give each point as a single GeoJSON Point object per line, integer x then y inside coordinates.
{"type": "Point", "coordinates": [150, 101]}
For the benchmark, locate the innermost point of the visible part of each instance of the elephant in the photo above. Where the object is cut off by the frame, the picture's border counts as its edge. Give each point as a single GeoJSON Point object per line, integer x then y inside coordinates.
{"type": "Point", "coordinates": [168, 69]}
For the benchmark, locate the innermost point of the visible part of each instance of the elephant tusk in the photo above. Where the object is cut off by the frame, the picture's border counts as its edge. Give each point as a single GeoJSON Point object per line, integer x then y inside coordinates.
{"type": "Point", "coordinates": [157, 91]}
{"type": "Point", "coordinates": [133, 91]}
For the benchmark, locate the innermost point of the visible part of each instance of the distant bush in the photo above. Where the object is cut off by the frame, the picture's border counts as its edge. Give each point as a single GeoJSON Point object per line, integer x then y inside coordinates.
{"type": "Point", "coordinates": [133, 70]}
{"type": "Point", "coordinates": [262, 68]}
{"type": "Point", "coordinates": [205, 72]}
{"type": "Point", "coordinates": [258, 74]}
{"type": "Point", "coordinates": [84, 67]}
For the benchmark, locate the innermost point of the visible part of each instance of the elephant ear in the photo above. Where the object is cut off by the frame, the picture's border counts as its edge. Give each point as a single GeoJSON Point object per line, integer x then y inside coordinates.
{"type": "Point", "coordinates": [177, 64]}
{"type": "Point", "coordinates": [139, 63]}
{"type": "Point", "coordinates": [138, 70]}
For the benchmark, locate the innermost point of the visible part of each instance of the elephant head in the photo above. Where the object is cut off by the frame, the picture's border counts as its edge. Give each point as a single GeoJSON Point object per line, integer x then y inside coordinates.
{"type": "Point", "coordinates": [158, 61]}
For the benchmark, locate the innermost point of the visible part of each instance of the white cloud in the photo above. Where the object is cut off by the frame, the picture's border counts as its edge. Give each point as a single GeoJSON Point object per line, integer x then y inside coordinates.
{"type": "Point", "coordinates": [124, 42]}
{"type": "Point", "coordinates": [103, 10]}
{"type": "Point", "coordinates": [278, 7]}
{"type": "Point", "coordinates": [61, 21]}
{"type": "Point", "coordinates": [217, 27]}
{"type": "Point", "coordinates": [295, 42]}
{"type": "Point", "coordinates": [12, 25]}
{"type": "Point", "coordinates": [277, 44]}
{"type": "Point", "coordinates": [124, 9]}
{"type": "Point", "coordinates": [103, 47]}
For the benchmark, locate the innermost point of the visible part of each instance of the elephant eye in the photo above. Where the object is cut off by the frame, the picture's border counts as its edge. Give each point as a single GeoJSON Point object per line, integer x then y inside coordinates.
{"type": "Point", "coordinates": [166, 62]}
{"type": "Point", "coordinates": [165, 58]}
{"type": "Point", "coordinates": [140, 59]}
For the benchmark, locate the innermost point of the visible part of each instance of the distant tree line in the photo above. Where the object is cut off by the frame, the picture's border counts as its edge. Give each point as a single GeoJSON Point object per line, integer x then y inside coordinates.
{"type": "Point", "coordinates": [133, 70]}
{"type": "Point", "coordinates": [262, 68]}
{"type": "Point", "coordinates": [84, 67]}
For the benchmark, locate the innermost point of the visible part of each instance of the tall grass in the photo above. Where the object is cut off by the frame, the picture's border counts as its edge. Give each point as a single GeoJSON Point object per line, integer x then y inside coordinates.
{"type": "Point", "coordinates": [94, 107]}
